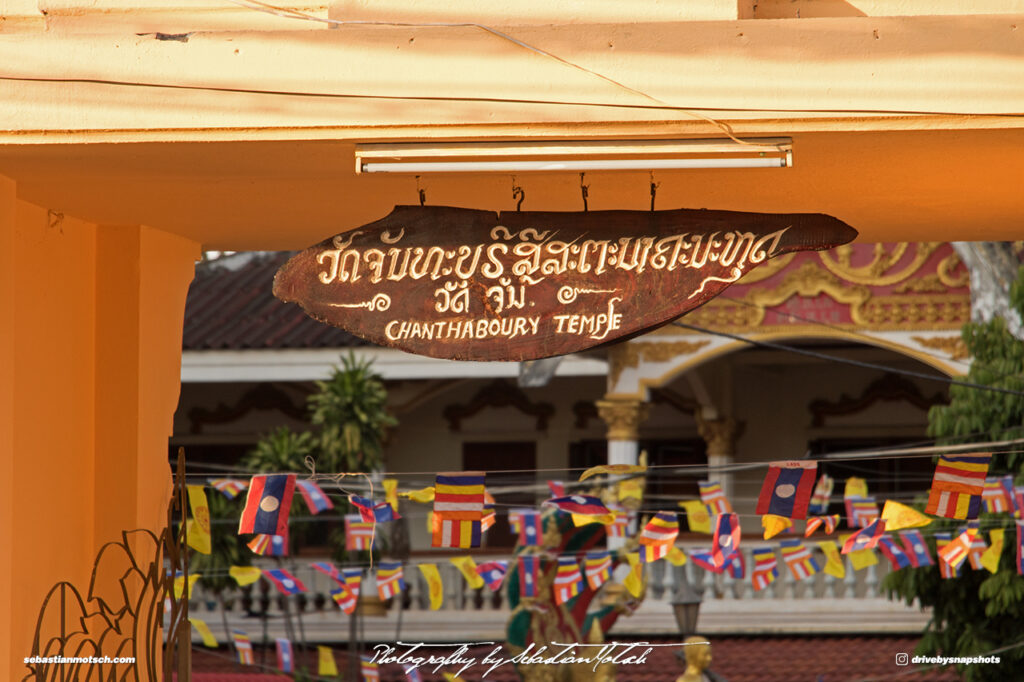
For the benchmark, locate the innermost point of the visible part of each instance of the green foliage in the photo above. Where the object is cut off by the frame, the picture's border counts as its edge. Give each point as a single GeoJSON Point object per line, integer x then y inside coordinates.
{"type": "Point", "coordinates": [978, 611]}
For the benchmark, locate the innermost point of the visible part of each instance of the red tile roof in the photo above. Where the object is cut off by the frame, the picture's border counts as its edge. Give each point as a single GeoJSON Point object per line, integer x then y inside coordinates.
{"type": "Point", "coordinates": [737, 659]}
{"type": "Point", "coordinates": [230, 307]}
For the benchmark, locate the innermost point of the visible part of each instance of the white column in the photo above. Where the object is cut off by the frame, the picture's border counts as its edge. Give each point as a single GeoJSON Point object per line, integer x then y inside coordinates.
{"type": "Point", "coordinates": [623, 418]}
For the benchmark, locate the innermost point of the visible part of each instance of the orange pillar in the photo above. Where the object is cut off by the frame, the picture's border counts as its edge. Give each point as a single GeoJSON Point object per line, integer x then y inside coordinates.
{"type": "Point", "coordinates": [90, 346]}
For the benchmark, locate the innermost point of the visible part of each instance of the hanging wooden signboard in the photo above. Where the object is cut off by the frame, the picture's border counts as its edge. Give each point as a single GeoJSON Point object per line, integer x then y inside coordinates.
{"type": "Point", "coordinates": [475, 285]}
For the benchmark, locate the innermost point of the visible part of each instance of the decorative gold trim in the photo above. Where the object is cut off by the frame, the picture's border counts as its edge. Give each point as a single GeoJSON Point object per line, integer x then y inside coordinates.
{"type": "Point", "coordinates": [623, 417]}
{"type": "Point", "coordinates": [954, 346]}
{"type": "Point", "coordinates": [945, 272]}
{"type": "Point", "coordinates": [903, 311]}
{"type": "Point", "coordinates": [874, 273]}
{"type": "Point", "coordinates": [806, 281]}
{"type": "Point", "coordinates": [627, 354]}
{"type": "Point", "coordinates": [928, 284]}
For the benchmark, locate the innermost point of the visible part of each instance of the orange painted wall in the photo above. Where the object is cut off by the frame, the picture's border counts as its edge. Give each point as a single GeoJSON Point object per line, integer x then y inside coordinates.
{"type": "Point", "coordinates": [89, 363]}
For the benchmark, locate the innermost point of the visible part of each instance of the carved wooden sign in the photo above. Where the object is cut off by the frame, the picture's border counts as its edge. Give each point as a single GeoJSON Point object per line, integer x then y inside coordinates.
{"type": "Point", "coordinates": [465, 284]}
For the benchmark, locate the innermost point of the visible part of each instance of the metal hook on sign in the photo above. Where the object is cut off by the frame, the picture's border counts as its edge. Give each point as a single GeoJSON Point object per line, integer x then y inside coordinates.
{"type": "Point", "coordinates": [584, 189]}
{"type": "Point", "coordinates": [421, 192]}
{"type": "Point", "coordinates": [517, 192]}
{"type": "Point", "coordinates": [654, 189]}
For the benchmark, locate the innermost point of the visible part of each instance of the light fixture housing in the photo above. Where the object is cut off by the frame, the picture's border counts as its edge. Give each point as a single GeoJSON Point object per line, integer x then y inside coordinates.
{"type": "Point", "coordinates": [572, 155]}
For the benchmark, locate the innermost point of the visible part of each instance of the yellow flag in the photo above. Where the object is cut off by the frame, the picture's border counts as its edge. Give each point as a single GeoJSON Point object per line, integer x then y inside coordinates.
{"type": "Point", "coordinates": [391, 492]}
{"type": "Point", "coordinates": [179, 584]}
{"type": "Point", "coordinates": [326, 665]}
{"type": "Point", "coordinates": [773, 525]}
{"type": "Point", "coordinates": [631, 489]}
{"type": "Point", "coordinates": [436, 588]}
{"type": "Point", "coordinates": [468, 568]}
{"type": "Point", "coordinates": [197, 529]}
{"type": "Point", "coordinates": [204, 631]}
{"type": "Point", "coordinates": [430, 522]}
{"type": "Point", "coordinates": [634, 582]}
{"type": "Point", "coordinates": [834, 565]}
{"type": "Point", "coordinates": [697, 516]}
{"type": "Point", "coordinates": [676, 556]}
{"type": "Point", "coordinates": [613, 470]}
{"type": "Point", "coordinates": [898, 516]}
{"type": "Point", "coordinates": [856, 487]}
{"type": "Point", "coordinates": [423, 495]}
{"type": "Point", "coordinates": [245, 575]}
{"type": "Point", "coordinates": [862, 558]}
{"type": "Point", "coordinates": [990, 557]}
{"type": "Point", "coordinates": [451, 678]}
{"type": "Point", "coordinates": [585, 519]}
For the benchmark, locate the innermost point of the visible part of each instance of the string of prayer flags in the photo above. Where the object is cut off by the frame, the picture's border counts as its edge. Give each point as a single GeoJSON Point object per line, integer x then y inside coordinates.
{"type": "Point", "coordinates": [676, 556]}
{"type": "Point", "coordinates": [787, 489]}
{"type": "Point", "coordinates": [358, 533]}
{"type": "Point", "coordinates": [976, 550]}
{"type": "Point", "coordinates": [773, 525]}
{"type": "Point", "coordinates": [467, 567]}
{"type": "Point", "coordinates": [390, 579]}
{"type": "Point", "coordinates": [598, 568]}
{"type": "Point", "coordinates": [530, 528]}
{"type": "Point", "coordinates": [529, 573]}
{"type": "Point", "coordinates": [634, 580]}
{"type": "Point", "coordinates": [834, 564]}
{"type": "Point", "coordinates": [285, 659]}
{"type": "Point", "coordinates": [661, 530]}
{"type": "Point", "coordinates": [373, 512]}
{"type": "Point", "coordinates": [568, 579]}
{"type": "Point", "coordinates": [798, 559]}
{"type": "Point", "coordinates": [955, 552]}
{"type": "Point", "coordinates": [830, 523]}
{"type": "Point", "coordinates": [651, 553]}
{"type": "Point", "coordinates": [861, 511]}
{"type": "Point", "coordinates": [916, 548]}
{"type": "Point", "coordinates": [423, 495]}
{"type": "Point", "coordinates": [493, 573]}
{"type": "Point", "coordinates": [697, 516]}
{"type": "Point", "coordinates": [855, 487]}
{"type": "Point", "coordinates": [285, 582]}
{"type": "Point", "coordinates": [865, 538]}
{"type": "Point", "coordinates": [990, 558]}
{"type": "Point", "coordinates": [314, 496]}
{"type": "Point", "coordinates": [458, 509]}
{"type": "Point", "coordinates": [369, 670]}
{"type": "Point", "coordinates": [942, 540]}
{"type": "Point", "coordinates": [613, 470]}
{"type": "Point", "coordinates": [269, 545]}
{"type": "Point", "coordinates": [557, 488]}
{"type": "Point", "coordinates": [765, 567]}
{"type": "Point", "coordinates": [267, 504]}
{"type": "Point", "coordinates": [245, 575]}
{"type": "Point", "coordinates": [229, 487]}
{"type": "Point", "coordinates": [995, 496]}
{"type": "Point", "coordinates": [344, 598]}
{"type": "Point", "coordinates": [390, 486]}
{"type": "Point", "coordinates": [821, 496]}
{"type": "Point", "coordinates": [204, 632]}
{"type": "Point", "coordinates": [726, 538]}
{"type": "Point", "coordinates": [435, 588]}
{"type": "Point", "coordinates": [197, 529]}
{"type": "Point", "coordinates": [243, 647]}
{"type": "Point", "coordinates": [957, 486]}
{"type": "Point", "coordinates": [894, 553]}
{"type": "Point", "coordinates": [713, 496]}
{"type": "Point", "coordinates": [1020, 546]}
{"type": "Point", "coordinates": [899, 516]}
{"type": "Point", "coordinates": [325, 664]}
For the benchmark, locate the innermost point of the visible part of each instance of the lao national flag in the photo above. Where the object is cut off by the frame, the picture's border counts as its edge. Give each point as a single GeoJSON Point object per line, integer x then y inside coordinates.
{"type": "Point", "coordinates": [917, 549]}
{"type": "Point", "coordinates": [315, 498]}
{"type": "Point", "coordinates": [330, 570]}
{"type": "Point", "coordinates": [380, 512]}
{"type": "Point", "coordinates": [893, 552]}
{"type": "Point", "coordinates": [285, 582]}
{"type": "Point", "coordinates": [580, 504]}
{"type": "Point", "coordinates": [285, 660]}
{"type": "Point", "coordinates": [529, 570]}
{"type": "Point", "coordinates": [787, 489]}
{"type": "Point", "coordinates": [726, 539]}
{"type": "Point", "coordinates": [865, 538]}
{"type": "Point", "coordinates": [704, 559]}
{"type": "Point", "coordinates": [557, 488]}
{"type": "Point", "coordinates": [493, 573]}
{"type": "Point", "coordinates": [529, 528]}
{"type": "Point", "coordinates": [267, 504]}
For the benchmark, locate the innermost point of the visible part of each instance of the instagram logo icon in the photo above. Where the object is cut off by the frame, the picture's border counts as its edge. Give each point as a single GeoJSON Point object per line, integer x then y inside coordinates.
{"type": "Point", "coordinates": [902, 659]}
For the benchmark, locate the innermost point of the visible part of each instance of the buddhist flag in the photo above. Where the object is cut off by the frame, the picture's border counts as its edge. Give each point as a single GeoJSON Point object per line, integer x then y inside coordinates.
{"type": "Point", "coordinates": [619, 527]}
{"type": "Point", "coordinates": [267, 504]}
{"type": "Point", "coordinates": [787, 489]}
{"type": "Point", "coordinates": [434, 585]}
{"type": "Point", "coordinates": [285, 582]}
{"type": "Point", "coordinates": [391, 493]}
{"type": "Point", "coordinates": [325, 661]}
{"type": "Point", "coordinates": [613, 470]}
{"type": "Point", "coordinates": [661, 530]}
{"type": "Point", "coordinates": [269, 545]}
{"type": "Point", "coordinates": [530, 528]}
{"type": "Point", "coordinates": [713, 496]}
{"type": "Point", "coordinates": [634, 581]}
{"type": "Point", "coordinates": [821, 496]}
{"type": "Point", "coordinates": [957, 486]}
{"type": "Point", "coordinates": [285, 659]}
{"type": "Point", "coordinates": [467, 567]}
{"type": "Point", "coordinates": [568, 580]}
{"type": "Point", "coordinates": [916, 548]}
{"type": "Point", "coordinates": [344, 598]}
{"type": "Point", "coordinates": [894, 553]}
{"type": "Point", "coordinates": [515, 518]}
{"type": "Point", "coordinates": [353, 579]}
{"type": "Point", "coordinates": [529, 574]}
{"type": "Point", "coordinates": [390, 579]}
{"type": "Point", "coordinates": [773, 525]}
{"type": "Point", "coordinates": [861, 511]}
{"type": "Point", "coordinates": [955, 553]}
{"type": "Point", "coordinates": [598, 568]}
{"type": "Point", "coordinates": [899, 516]}
{"type": "Point", "coordinates": [230, 487]}
{"type": "Point", "coordinates": [834, 564]}
{"type": "Point", "coordinates": [676, 556]}
{"type": "Point", "coordinates": [245, 575]}
{"type": "Point", "coordinates": [995, 496]}
{"type": "Point", "coordinates": [726, 538]}
{"type": "Point", "coordinates": [204, 632]}
{"type": "Point", "coordinates": [798, 558]}
{"type": "Point", "coordinates": [976, 550]}
{"type": "Point", "coordinates": [697, 516]}
{"type": "Point", "coordinates": [198, 527]}
{"type": "Point", "coordinates": [358, 533]}
{"type": "Point", "coordinates": [829, 524]}
{"type": "Point", "coordinates": [314, 497]}
{"type": "Point", "coordinates": [651, 553]}
{"type": "Point", "coordinates": [243, 647]}
{"type": "Point", "coordinates": [458, 509]}
{"type": "Point", "coordinates": [423, 495]}
{"type": "Point", "coordinates": [855, 487]}
{"type": "Point", "coordinates": [369, 669]}
{"type": "Point", "coordinates": [493, 573]}
{"type": "Point", "coordinates": [990, 559]}
{"type": "Point", "coordinates": [942, 540]}
{"type": "Point", "coordinates": [865, 538]}
{"type": "Point", "coordinates": [765, 568]}
{"type": "Point", "coordinates": [862, 558]}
